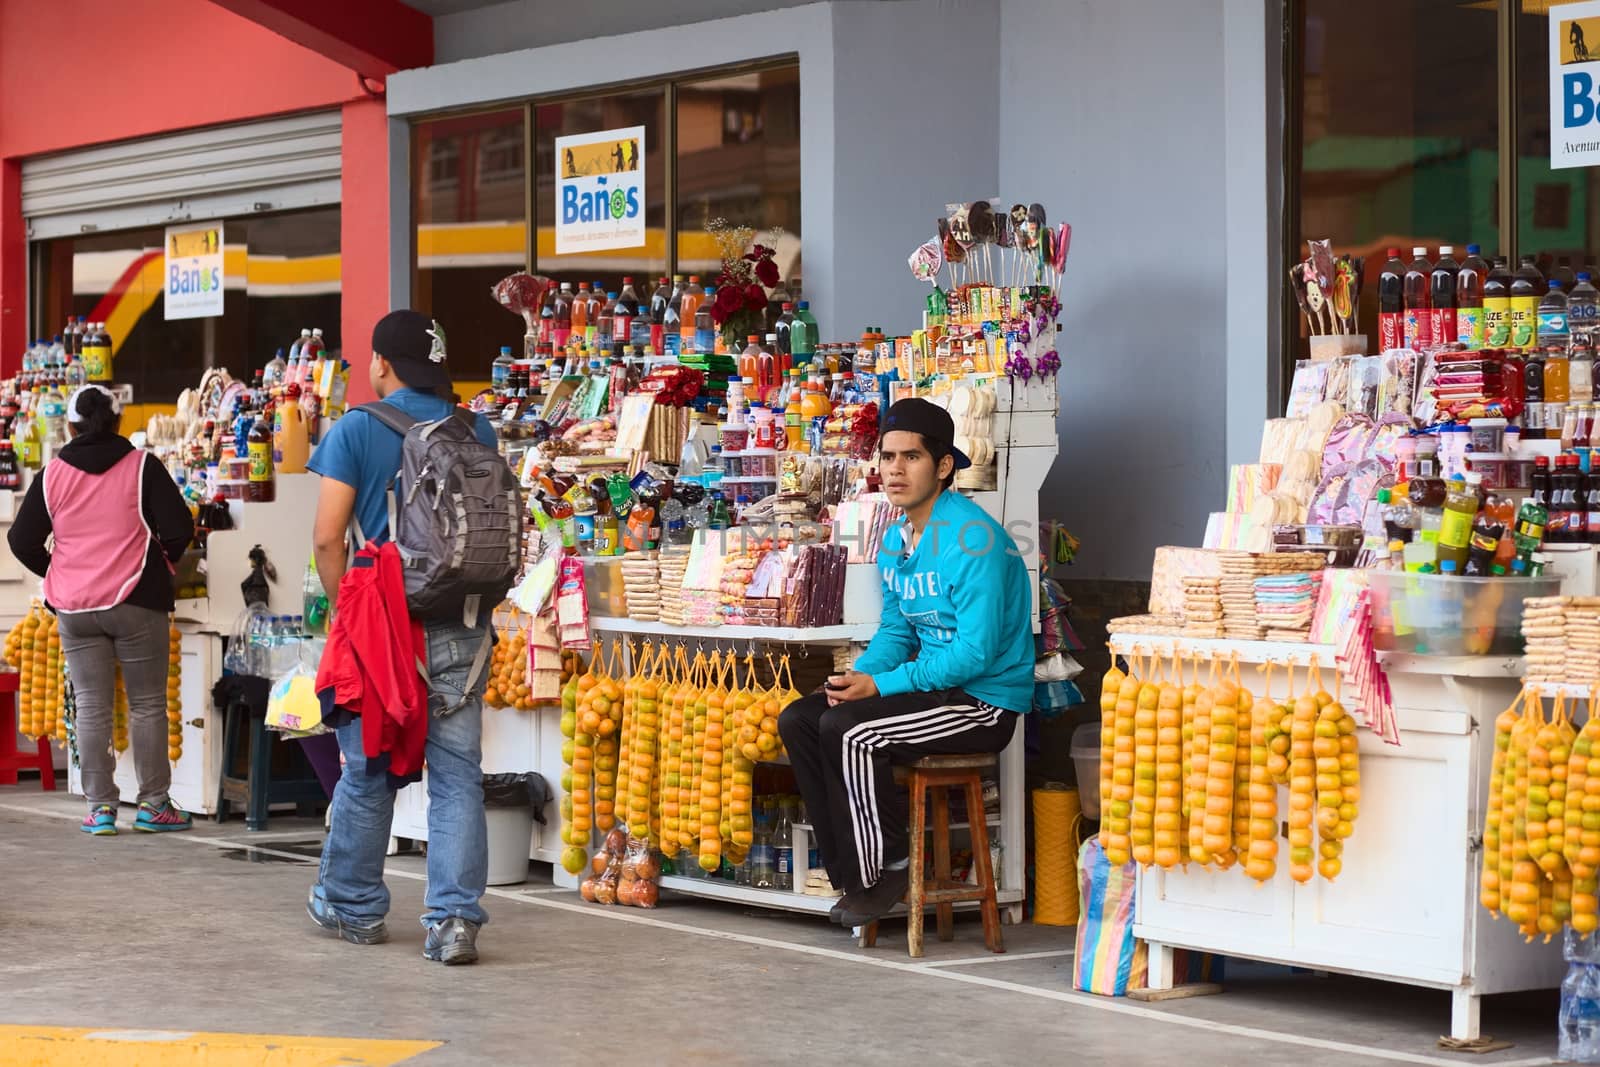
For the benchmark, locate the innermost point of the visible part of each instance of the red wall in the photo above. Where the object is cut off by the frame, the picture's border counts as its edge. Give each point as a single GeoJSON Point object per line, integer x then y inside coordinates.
{"type": "Point", "coordinates": [161, 65]}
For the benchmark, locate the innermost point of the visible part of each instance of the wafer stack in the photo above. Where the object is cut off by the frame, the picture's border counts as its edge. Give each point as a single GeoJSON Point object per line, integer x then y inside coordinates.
{"type": "Point", "coordinates": [1164, 625]}
{"type": "Point", "coordinates": [1240, 618]}
{"type": "Point", "coordinates": [1202, 607]}
{"type": "Point", "coordinates": [641, 588]}
{"type": "Point", "coordinates": [1544, 633]}
{"type": "Point", "coordinates": [1582, 666]}
{"type": "Point", "coordinates": [669, 575]}
{"type": "Point", "coordinates": [1285, 604]}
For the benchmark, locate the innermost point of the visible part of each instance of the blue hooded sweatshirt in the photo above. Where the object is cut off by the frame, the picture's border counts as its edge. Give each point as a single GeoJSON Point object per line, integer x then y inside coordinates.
{"type": "Point", "coordinates": [961, 604]}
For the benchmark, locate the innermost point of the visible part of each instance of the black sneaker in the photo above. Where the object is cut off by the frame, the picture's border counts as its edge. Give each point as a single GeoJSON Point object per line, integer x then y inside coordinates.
{"type": "Point", "coordinates": [323, 916]}
{"type": "Point", "coordinates": [841, 906]}
{"type": "Point", "coordinates": [879, 900]}
{"type": "Point", "coordinates": [452, 942]}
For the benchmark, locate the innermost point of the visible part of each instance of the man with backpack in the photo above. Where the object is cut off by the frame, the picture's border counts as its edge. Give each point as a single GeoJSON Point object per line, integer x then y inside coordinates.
{"type": "Point", "coordinates": [436, 518]}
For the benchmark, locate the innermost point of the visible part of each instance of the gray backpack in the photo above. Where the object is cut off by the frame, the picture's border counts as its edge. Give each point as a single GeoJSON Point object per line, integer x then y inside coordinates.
{"type": "Point", "coordinates": [455, 514]}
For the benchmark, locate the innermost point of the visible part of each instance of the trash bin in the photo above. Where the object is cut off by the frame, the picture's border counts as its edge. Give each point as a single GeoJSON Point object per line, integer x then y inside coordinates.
{"type": "Point", "coordinates": [509, 802]}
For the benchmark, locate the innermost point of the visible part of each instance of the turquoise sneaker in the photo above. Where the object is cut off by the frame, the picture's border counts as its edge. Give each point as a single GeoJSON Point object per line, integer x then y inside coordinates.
{"type": "Point", "coordinates": [155, 820]}
{"type": "Point", "coordinates": [101, 821]}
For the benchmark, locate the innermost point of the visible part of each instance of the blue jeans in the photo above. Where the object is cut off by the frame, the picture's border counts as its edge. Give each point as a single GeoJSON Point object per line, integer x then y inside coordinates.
{"type": "Point", "coordinates": [351, 879]}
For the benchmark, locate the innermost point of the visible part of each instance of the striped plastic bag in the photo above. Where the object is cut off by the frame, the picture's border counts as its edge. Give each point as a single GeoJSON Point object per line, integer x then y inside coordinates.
{"type": "Point", "coordinates": [1104, 961]}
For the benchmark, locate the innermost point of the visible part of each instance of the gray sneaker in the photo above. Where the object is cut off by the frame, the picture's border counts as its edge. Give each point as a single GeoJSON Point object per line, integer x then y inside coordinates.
{"type": "Point", "coordinates": [325, 919]}
{"type": "Point", "coordinates": [452, 942]}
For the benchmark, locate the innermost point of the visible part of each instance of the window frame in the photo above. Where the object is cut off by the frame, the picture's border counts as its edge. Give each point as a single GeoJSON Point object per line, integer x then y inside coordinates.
{"type": "Point", "coordinates": [668, 86]}
{"type": "Point", "coordinates": [1507, 39]}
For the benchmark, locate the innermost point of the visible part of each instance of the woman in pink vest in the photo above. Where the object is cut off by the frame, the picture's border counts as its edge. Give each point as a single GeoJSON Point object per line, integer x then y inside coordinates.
{"type": "Point", "coordinates": [118, 523]}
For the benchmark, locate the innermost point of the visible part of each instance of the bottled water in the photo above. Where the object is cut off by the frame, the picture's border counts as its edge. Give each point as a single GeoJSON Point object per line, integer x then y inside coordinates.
{"type": "Point", "coordinates": [1583, 311]}
{"type": "Point", "coordinates": [1579, 1038]}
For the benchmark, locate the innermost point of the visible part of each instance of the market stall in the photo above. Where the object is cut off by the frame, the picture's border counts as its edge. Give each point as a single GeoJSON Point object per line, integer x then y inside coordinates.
{"type": "Point", "coordinates": [1335, 746]}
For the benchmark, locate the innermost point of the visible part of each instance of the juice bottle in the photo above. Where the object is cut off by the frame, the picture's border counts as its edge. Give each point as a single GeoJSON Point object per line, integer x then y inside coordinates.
{"type": "Point", "coordinates": [262, 488]}
{"type": "Point", "coordinates": [1442, 297]}
{"type": "Point", "coordinates": [293, 445]}
{"type": "Point", "coordinates": [1556, 368]}
{"type": "Point", "coordinates": [750, 359]}
{"type": "Point", "coordinates": [1497, 305]}
{"type": "Point", "coordinates": [688, 308]}
{"type": "Point", "coordinates": [579, 312]}
{"type": "Point", "coordinates": [1455, 526]}
{"type": "Point", "coordinates": [1419, 321]}
{"type": "Point", "coordinates": [1526, 287]}
{"type": "Point", "coordinates": [1470, 329]}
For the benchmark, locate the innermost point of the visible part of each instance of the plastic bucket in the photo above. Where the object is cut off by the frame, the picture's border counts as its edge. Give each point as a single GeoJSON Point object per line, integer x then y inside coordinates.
{"type": "Point", "coordinates": [1086, 760]}
{"type": "Point", "coordinates": [510, 840]}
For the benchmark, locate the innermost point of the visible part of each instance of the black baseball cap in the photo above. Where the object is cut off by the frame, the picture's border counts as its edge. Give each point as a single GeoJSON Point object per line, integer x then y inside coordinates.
{"type": "Point", "coordinates": [933, 422]}
{"type": "Point", "coordinates": [414, 344]}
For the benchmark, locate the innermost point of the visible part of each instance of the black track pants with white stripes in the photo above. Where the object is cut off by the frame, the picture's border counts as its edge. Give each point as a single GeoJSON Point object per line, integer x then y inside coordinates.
{"type": "Point", "coordinates": [843, 759]}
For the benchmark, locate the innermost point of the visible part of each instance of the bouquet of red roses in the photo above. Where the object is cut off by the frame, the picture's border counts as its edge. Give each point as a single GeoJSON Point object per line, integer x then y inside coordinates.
{"type": "Point", "coordinates": [740, 308]}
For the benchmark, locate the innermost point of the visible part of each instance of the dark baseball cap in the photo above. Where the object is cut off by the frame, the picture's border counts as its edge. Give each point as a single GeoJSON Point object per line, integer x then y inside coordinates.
{"type": "Point", "coordinates": [933, 422]}
{"type": "Point", "coordinates": [414, 344]}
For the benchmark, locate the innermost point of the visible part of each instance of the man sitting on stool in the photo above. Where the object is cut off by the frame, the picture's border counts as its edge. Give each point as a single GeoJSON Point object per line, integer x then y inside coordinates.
{"type": "Point", "coordinates": [949, 671]}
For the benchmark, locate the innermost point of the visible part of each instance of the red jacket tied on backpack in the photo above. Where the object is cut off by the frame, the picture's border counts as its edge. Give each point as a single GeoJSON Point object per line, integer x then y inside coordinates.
{"type": "Point", "coordinates": [376, 663]}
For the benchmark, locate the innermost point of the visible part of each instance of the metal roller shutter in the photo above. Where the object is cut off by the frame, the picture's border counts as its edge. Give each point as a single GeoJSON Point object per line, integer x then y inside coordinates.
{"type": "Point", "coordinates": [271, 165]}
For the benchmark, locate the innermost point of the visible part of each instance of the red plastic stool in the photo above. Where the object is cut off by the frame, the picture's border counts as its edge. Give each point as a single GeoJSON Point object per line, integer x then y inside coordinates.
{"type": "Point", "coordinates": [11, 759]}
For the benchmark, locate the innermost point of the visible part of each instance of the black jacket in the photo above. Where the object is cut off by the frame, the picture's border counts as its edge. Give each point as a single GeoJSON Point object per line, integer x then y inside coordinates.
{"type": "Point", "coordinates": [165, 512]}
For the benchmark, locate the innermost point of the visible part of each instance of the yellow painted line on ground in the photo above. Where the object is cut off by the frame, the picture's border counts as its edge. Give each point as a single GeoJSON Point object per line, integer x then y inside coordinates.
{"type": "Point", "coordinates": [63, 1046]}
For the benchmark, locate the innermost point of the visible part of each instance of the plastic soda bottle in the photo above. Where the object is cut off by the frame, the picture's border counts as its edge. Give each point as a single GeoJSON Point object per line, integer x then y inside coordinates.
{"type": "Point", "coordinates": [1470, 326]}
{"type": "Point", "coordinates": [1419, 321]}
{"type": "Point", "coordinates": [1497, 305]}
{"type": "Point", "coordinates": [1442, 296]}
{"type": "Point", "coordinates": [1391, 304]}
{"type": "Point", "coordinates": [1527, 285]}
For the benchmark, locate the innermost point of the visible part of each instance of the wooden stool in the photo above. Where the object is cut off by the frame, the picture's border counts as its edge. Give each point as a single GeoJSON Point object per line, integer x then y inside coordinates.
{"type": "Point", "coordinates": [13, 759]}
{"type": "Point", "coordinates": [942, 773]}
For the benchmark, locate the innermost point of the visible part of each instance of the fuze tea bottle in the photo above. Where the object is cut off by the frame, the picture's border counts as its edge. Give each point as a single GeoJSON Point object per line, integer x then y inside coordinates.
{"type": "Point", "coordinates": [1442, 306]}
{"type": "Point", "coordinates": [1527, 287]}
{"type": "Point", "coordinates": [261, 488]}
{"type": "Point", "coordinates": [1391, 304]}
{"type": "Point", "coordinates": [1419, 320]}
{"type": "Point", "coordinates": [97, 353]}
{"type": "Point", "coordinates": [1470, 328]}
{"type": "Point", "coordinates": [1497, 305]}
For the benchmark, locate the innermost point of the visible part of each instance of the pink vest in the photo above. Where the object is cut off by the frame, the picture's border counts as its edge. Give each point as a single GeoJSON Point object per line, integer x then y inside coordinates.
{"type": "Point", "coordinates": [101, 540]}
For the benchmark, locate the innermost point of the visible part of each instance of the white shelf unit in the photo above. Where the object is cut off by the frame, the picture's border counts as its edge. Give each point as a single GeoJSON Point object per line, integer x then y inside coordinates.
{"type": "Point", "coordinates": [1405, 909]}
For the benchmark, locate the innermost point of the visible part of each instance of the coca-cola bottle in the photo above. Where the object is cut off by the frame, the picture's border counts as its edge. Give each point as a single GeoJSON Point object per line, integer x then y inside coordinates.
{"type": "Point", "coordinates": [1419, 325]}
{"type": "Point", "coordinates": [1442, 306]}
{"type": "Point", "coordinates": [1392, 304]}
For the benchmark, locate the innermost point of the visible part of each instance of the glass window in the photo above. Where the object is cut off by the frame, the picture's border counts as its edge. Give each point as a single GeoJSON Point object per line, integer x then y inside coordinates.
{"type": "Point", "coordinates": [1558, 211]}
{"type": "Point", "coordinates": [471, 213]}
{"type": "Point", "coordinates": [647, 108]}
{"type": "Point", "coordinates": [739, 159]}
{"type": "Point", "coordinates": [281, 275]}
{"type": "Point", "coordinates": [1399, 131]}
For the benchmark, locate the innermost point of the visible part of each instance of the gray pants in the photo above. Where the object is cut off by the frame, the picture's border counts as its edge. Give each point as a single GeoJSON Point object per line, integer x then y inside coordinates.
{"type": "Point", "coordinates": [94, 642]}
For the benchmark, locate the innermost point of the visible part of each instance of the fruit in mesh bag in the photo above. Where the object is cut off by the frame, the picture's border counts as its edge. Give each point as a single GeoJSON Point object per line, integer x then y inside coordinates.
{"type": "Point", "coordinates": [174, 698]}
{"type": "Point", "coordinates": [711, 779]}
{"type": "Point", "coordinates": [1199, 771]}
{"type": "Point", "coordinates": [1144, 774]}
{"type": "Point", "coordinates": [1261, 851]}
{"type": "Point", "coordinates": [1117, 820]}
{"type": "Point", "coordinates": [1220, 785]}
{"type": "Point", "coordinates": [1110, 690]}
{"type": "Point", "coordinates": [1169, 777]}
{"type": "Point", "coordinates": [1489, 879]}
{"type": "Point", "coordinates": [1302, 787]}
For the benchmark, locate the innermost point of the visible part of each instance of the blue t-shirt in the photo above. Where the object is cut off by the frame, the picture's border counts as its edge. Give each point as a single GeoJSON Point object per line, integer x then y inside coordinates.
{"type": "Point", "coordinates": [363, 453]}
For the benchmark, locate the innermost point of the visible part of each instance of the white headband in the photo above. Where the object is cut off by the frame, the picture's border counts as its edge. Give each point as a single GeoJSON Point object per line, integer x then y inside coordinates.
{"type": "Point", "coordinates": [74, 416]}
